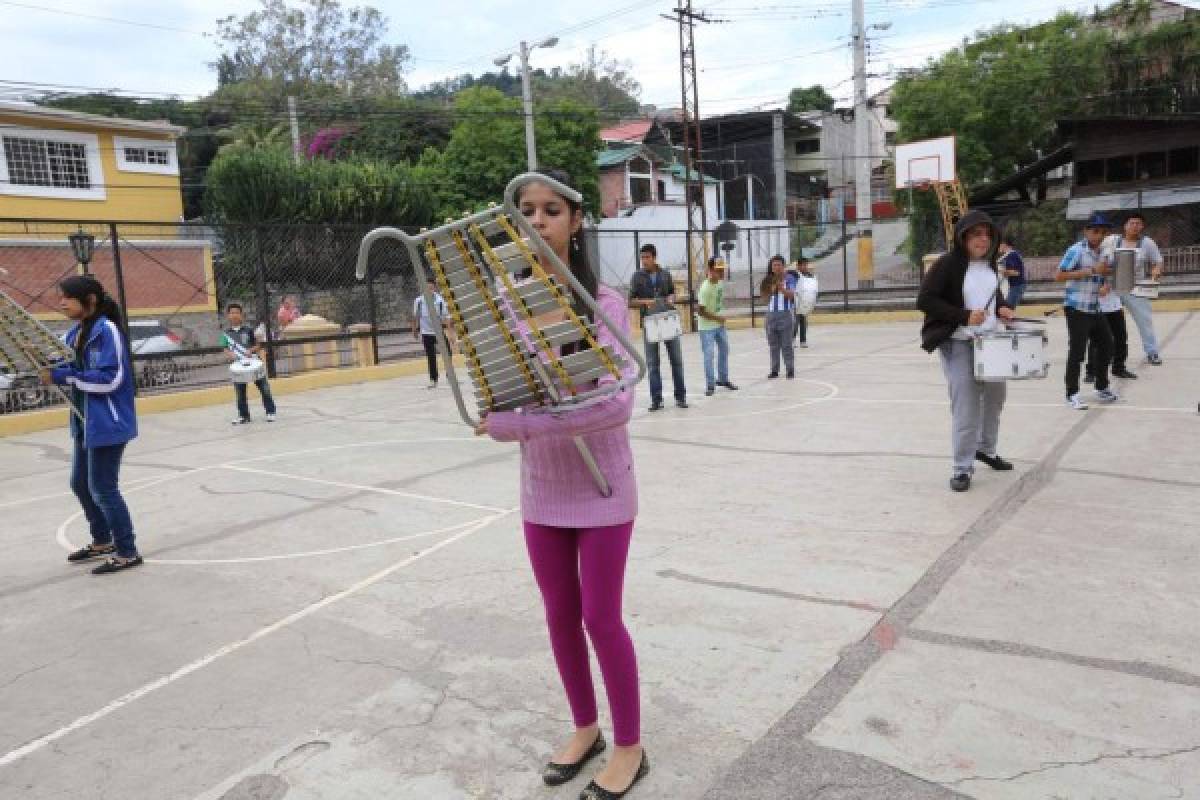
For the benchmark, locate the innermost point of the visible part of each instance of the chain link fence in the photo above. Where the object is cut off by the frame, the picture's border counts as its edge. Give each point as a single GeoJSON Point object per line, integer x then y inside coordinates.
{"type": "Point", "coordinates": [297, 286]}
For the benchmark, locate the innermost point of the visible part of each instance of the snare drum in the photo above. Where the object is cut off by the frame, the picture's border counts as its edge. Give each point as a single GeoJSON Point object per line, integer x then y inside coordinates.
{"type": "Point", "coordinates": [248, 370]}
{"type": "Point", "coordinates": [663, 326]}
{"type": "Point", "coordinates": [1146, 289]}
{"type": "Point", "coordinates": [1124, 269]}
{"type": "Point", "coordinates": [806, 295]}
{"type": "Point", "coordinates": [1011, 355]}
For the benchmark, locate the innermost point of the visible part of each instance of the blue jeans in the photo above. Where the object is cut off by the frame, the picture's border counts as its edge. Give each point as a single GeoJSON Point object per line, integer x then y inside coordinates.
{"type": "Point", "coordinates": [1143, 316]}
{"type": "Point", "coordinates": [243, 402]}
{"type": "Point", "coordinates": [94, 475]}
{"type": "Point", "coordinates": [717, 338]}
{"type": "Point", "coordinates": [675, 355]}
{"type": "Point", "coordinates": [1015, 295]}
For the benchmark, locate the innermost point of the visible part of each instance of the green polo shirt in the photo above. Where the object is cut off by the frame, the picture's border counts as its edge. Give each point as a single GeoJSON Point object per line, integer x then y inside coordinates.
{"type": "Point", "coordinates": [712, 299]}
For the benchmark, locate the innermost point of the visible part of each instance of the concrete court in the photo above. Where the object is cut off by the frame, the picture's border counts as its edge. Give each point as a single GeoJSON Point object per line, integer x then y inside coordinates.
{"type": "Point", "coordinates": [338, 605]}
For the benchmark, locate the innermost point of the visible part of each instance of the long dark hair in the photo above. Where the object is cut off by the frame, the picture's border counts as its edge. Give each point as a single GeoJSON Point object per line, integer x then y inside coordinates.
{"type": "Point", "coordinates": [80, 287]}
{"type": "Point", "coordinates": [768, 281]}
{"type": "Point", "coordinates": [577, 255]}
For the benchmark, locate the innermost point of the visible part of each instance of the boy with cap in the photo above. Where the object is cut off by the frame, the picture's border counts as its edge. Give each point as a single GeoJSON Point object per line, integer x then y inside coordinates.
{"type": "Point", "coordinates": [1083, 268]}
{"type": "Point", "coordinates": [713, 336]}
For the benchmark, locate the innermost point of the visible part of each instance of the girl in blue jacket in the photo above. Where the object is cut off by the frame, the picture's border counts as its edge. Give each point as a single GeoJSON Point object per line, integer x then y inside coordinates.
{"type": "Point", "coordinates": [100, 381]}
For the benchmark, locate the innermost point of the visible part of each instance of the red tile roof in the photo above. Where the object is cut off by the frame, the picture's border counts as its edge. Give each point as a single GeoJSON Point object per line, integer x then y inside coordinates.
{"type": "Point", "coordinates": [627, 131]}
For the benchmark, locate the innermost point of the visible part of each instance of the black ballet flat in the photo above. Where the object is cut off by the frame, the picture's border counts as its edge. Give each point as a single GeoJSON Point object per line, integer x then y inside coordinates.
{"type": "Point", "coordinates": [555, 774]}
{"type": "Point", "coordinates": [597, 792]}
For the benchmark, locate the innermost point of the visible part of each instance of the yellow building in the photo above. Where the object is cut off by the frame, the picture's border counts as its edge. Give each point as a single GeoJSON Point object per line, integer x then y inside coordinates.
{"type": "Point", "coordinates": [67, 165]}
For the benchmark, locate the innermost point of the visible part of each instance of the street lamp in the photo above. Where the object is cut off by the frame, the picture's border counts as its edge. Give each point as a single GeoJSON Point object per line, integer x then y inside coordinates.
{"type": "Point", "coordinates": [527, 95]}
{"type": "Point", "coordinates": [82, 245]}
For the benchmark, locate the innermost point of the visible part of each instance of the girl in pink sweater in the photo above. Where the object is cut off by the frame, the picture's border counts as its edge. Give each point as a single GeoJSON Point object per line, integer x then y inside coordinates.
{"type": "Point", "coordinates": [578, 540]}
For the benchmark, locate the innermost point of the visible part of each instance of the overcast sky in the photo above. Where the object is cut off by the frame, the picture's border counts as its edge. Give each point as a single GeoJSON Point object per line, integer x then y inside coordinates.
{"type": "Point", "coordinates": [760, 50]}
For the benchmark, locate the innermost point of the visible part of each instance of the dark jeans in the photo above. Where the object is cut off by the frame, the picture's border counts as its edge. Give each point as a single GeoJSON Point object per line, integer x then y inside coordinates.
{"type": "Point", "coordinates": [1082, 328]}
{"type": "Point", "coordinates": [1120, 351]}
{"type": "Point", "coordinates": [430, 342]}
{"type": "Point", "coordinates": [801, 328]}
{"type": "Point", "coordinates": [675, 355]}
{"type": "Point", "coordinates": [243, 402]}
{"type": "Point", "coordinates": [94, 475]}
{"type": "Point", "coordinates": [1015, 295]}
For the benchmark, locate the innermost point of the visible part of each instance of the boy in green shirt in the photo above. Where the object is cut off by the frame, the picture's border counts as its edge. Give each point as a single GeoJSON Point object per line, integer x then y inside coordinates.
{"type": "Point", "coordinates": [713, 335]}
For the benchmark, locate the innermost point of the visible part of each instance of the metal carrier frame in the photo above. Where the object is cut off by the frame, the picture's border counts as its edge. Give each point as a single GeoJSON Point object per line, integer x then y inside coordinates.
{"type": "Point", "coordinates": [26, 345]}
{"type": "Point", "coordinates": [475, 263]}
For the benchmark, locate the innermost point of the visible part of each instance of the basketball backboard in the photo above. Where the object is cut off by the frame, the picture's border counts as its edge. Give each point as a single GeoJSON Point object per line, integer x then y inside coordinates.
{"type": "Point", "coordinates": [927, 161]}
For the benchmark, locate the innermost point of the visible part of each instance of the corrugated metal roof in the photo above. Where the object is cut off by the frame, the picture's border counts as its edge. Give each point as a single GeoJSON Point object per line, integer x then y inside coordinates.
{"type": "Point", "coordinates": [616, 156]}
{"type": "Point", "coordinates": [96, 120]}
{"type": "Point", "coordinates": [627, 131]}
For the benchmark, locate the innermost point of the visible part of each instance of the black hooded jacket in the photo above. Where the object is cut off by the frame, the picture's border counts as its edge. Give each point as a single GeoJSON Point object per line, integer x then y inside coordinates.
{"type": "Point", "coordinates": [941, 294]}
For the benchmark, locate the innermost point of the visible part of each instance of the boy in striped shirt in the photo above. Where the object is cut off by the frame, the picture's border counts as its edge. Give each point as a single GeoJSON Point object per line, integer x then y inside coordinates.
{"type": "Point", "coordinates": [1083, 268]}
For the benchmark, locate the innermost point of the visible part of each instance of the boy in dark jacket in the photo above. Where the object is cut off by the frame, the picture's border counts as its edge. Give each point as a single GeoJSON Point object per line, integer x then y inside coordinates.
{"type": "Point", "coordinates": [960, 296]}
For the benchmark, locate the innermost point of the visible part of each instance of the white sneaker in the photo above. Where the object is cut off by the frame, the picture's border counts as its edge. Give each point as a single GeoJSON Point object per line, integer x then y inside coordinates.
{"type": "Point", "coordinates": [1107, 396]}
{"type": "Point", "coordinates": [1076, 402]}
{"type": "Point", "coordinates": [270, 417]}
{"type": "Point", "coordinates": [240, 421]}
{"type": "Point", "coordinates": [432, 385]}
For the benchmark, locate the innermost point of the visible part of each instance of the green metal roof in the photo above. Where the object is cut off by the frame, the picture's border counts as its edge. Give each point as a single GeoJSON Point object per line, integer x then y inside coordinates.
{"type": "Point", "coordinates": [616, 156]}
{"type": "Point", "coordinates": [678, 171]}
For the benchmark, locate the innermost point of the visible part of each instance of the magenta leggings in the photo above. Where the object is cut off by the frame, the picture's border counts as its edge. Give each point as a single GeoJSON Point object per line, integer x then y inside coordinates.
{"type": "Point", "coordinates": [581, 573]}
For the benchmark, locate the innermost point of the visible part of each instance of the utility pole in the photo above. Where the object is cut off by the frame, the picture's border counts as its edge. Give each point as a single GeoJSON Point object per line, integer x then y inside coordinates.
{"type": "Point", "coordinates": [527, 101]}
{"type": "Point", "coordinates": [527, 95]}
{"type": "Point", "coordinates": [294, 122]}
{"type": "Point", "coordinates": [694, 197]}
{"type": "Point", "coordinates": [862, 149]}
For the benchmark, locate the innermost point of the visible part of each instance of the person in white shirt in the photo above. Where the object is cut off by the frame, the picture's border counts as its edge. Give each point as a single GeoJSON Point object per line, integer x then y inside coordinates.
{"type": "Point", "coordinates": [1149, 265]}
{"type": "Point", "coordinates": [423, 326]}
{"type": "Point", "coordinates": [960, 296]}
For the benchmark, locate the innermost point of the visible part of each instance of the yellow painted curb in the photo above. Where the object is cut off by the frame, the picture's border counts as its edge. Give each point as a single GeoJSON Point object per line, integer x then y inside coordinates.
{"type": "Point", "coordinates": [50, 419]}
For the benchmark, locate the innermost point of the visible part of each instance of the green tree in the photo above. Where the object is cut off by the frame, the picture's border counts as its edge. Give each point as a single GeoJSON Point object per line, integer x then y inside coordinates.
{"type": "Point", "coordinates": [809, 98]}
{"type": "Point", "coordinates": [265, 185]}
{"type": "Point", "coordinates": [599, 81]}
{"type": "Point", "coordinates": [311, 42]}
{"type": "Point", "coordinates": [487, 148]}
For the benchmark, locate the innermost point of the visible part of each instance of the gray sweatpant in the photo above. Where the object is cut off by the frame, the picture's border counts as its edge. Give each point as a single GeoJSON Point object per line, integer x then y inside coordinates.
{"type": "Point", "coordinates": [974, 406]}
{"type": "Point", "coordinates": [779, 338]}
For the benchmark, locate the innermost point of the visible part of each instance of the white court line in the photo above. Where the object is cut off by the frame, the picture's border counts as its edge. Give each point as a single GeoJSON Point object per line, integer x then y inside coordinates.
{"type": "Point", "coordinates": [362, 488]}
{"type": "Point", "coordinates": [202, 662]}
{"type": "Point", "coordinates": [27, 500]}
{"type": "Point", "coordinates": [833, 392]}
{"type": "Point", "coordinates": [1112, 407]}
{"type": "Point", "coordinates": [140, 482]}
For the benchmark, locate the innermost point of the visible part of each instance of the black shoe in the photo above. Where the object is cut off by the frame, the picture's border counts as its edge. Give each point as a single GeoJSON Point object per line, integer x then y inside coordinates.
{"type": "Point", "coordinates": [728, 385]}
{"type": "Point", "coordinates": [90, 552]}
{"type": "Point", "coordinates": [1089, 378]}
{"type": "Point", "coordinates": [595, 792]}
{"type": "Point", "coordinates": [116, 565]}
{"type": "Point", "coordinates": [709, 392]}
{"type": "Point", "coordinates": [961, 481]}
{"type": "Point", "coordinates": [995, 462]}
{"type": "Point", "coordinates": [791, 376]}
{"type": "Point", "coordinates": [1154, 360]}
{"type": "Point", "coordinates": [1124, 373]}
{"type": "Point", "coordinates": [555, 774]}
{"type": "Point", "coordinates": [656, 405]}
{"type": "Point", "coordinates": [773, 375]}
{"type": "Point", "coordinates": [681, 403]}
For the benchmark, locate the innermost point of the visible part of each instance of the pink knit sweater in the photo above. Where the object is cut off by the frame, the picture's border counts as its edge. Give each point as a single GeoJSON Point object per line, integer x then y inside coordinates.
{"type": "Point", "coordinates": [556, 488]}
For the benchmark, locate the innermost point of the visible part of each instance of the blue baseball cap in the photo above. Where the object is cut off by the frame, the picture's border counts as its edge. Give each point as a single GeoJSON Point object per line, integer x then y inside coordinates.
{"type": "Point", "coordinates": [1098, 220]}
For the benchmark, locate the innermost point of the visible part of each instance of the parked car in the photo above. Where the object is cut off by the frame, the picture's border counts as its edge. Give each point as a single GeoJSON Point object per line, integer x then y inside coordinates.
{"type": "Point", "coordinates": [149, 337]}
{"type": "Point", "coordinates": [19, 392]}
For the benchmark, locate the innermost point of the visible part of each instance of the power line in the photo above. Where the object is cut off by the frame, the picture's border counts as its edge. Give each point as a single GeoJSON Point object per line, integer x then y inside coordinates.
{"type": "Point", "coordinates": [97, 18]}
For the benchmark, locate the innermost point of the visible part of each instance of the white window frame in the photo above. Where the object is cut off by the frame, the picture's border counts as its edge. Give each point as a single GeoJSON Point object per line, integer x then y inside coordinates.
{"type": "Point", "coordinates": [95, 166]}
{"type": "Point", "coordinates": [170, 168]}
